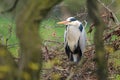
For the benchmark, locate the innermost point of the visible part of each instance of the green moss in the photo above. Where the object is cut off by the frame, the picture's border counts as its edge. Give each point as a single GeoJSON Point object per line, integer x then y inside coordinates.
{"type": "Point", "coordinates": [5, 24]}
{"type": "Point", "coordinates": [117, 77]}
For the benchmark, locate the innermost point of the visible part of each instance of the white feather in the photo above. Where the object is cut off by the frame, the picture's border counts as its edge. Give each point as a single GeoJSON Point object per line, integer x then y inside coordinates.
{"type": "Point", "coordinates": [72, 37]}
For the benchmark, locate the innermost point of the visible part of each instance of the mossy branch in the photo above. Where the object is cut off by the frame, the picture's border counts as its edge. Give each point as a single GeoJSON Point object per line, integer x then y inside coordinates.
{"type": "Point", "coordinates": [93, 11]}
{"type": "Point", "coordinates": [30, 42]}
{"type": "Point", "coordinates": [8, 66]}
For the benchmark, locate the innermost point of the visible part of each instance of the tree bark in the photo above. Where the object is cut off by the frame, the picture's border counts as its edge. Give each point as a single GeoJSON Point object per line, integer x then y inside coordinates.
{"type": "Point", "coordinates": [28, 34]}
{"type": "Point", "coordinates": [101, 61]}
{"type": "Point", "coordinates": [7, 65]}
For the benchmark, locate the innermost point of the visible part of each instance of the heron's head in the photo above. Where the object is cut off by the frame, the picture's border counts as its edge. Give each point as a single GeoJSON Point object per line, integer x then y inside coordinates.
{"type": "Point", "coordinates": [70, 21]}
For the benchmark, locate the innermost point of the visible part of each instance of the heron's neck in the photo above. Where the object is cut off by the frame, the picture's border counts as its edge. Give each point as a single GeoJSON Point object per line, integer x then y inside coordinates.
{"type": "Point", "coordinates": [75, 24]}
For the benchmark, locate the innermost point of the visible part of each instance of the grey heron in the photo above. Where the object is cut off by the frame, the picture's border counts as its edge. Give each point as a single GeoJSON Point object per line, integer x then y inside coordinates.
{"type": "Point", "coordinates": [74, 39]}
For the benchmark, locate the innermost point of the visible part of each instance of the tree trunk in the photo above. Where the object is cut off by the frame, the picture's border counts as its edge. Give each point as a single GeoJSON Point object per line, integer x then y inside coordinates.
{"type": "Point", "coordinates": [7, 65]}
{"type": "Point", "coordinates": [94, 13]}
{"type": "Point", "coordinates": [28, 34]}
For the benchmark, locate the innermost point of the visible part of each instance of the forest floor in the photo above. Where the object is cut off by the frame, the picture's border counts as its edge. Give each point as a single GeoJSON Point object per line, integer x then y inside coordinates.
{"type": "Point", "coordinates": [57, 66]}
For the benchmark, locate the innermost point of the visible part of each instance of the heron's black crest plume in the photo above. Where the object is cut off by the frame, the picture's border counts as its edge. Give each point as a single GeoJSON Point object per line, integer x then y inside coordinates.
{"type": "Point", "coordinates": [73, 19]}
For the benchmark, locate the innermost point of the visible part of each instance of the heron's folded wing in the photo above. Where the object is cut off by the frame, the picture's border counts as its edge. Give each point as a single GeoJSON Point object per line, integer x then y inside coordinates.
{"type": "Point", "coordinates": [82, 40]}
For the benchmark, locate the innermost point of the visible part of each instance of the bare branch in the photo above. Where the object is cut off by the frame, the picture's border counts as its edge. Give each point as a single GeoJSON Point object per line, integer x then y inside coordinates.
{"type": "Point", "coordinates": [116, 19]}
{"type": "Point", "coordinates": [79, 65]}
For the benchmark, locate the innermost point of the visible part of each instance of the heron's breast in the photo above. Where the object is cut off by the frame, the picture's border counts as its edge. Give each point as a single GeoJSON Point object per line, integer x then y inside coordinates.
{"type": "Point", "coordinates": [73, 35]}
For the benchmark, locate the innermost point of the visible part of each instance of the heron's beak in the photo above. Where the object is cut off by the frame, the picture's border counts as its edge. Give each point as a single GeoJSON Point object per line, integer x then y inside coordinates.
{"type": "Point", "coordinates": [63, 22]}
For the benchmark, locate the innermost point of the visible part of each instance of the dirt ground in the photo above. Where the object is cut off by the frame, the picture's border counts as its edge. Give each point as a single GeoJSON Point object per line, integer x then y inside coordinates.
{"type": "Point", "coordinates": [58, 67]}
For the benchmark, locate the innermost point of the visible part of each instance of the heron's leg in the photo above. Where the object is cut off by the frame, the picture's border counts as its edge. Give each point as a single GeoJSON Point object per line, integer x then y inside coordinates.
{"type": "Point", "coordinates": [71, 57]}
{"type": "Point", "coordinates": [75, 57]}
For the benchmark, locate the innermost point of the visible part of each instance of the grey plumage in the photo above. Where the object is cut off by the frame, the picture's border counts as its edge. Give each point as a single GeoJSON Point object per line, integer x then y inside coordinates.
{"type": "Point", "coordinates": [74, 39]}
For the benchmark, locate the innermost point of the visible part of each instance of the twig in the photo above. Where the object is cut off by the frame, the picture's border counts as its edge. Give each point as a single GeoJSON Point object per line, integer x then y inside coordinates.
{"type": "Point", "coordinates": [61, 69]}
{"type": "Point", "coordinates": [70, 76]}
{"type": "Point", "coordinates": [81, 14]}
{"type": "Point", "coordinates": [85, 23]}
{"type": "Point", "coordinates": [12, 45]}
{"type": "Point", "coordinates": [53, 41]}
{"type": "Point", "coordinates": [116, 19]}
{"type": "Point", "coordinates": [111, 3]}
{"type": "Point", "coordinates": [79, 65]}
{"type": "Point", "coordinates": [10, 33]}
{"type": "Point", "coordinates": [115, 32]}
{"type": "Point", "coordinates": [49, 74]}
{"type": "Point", "coordinates": [47, 53]}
